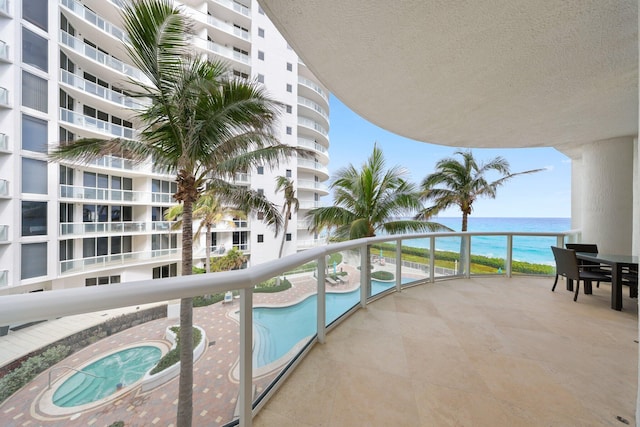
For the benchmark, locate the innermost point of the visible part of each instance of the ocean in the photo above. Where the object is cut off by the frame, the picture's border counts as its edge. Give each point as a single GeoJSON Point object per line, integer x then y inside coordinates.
{"type": "Point", "coordinates": [525, 248]}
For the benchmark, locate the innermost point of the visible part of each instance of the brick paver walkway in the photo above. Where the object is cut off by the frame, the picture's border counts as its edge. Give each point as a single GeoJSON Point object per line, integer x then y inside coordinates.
{"type": "Point", "coordinates": [215, 388]}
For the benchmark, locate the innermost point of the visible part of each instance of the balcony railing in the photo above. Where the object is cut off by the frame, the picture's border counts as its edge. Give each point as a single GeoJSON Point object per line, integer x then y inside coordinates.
{"type": "Point", "coordinates": [313, 86]}
{"type": "Point", "coordinates": [4, 8]}
{"type": "Point", "coordinates": [313, 165]}
{"type": "Point", "coordinates": [4, 233]}
{"type": "Point", "coordinates": [303, 121]}
{"type": "Point", "coordinates": [92, 123]}
{"type": "Point", "coordinates": [82, 228]}
{"type": "Point", "coordinates": [310, 265]}
{"type": "Point", "coordinates": [107, 194]}
{"type": "Point", "coordinates": [4, 278]}
{"type": "Point", "coordinates": [4, 97]}
{"type": "Point", "coordinates": [311, 204]}
{"type": "Point", "coordinates": [4, 188]}
{"type": "Point", "coordinates": [101, 91]}
{"type": "Point", "coordinates": [229, 53]}
{"type": "Point", "coordinates": [226, 27]}
{"type": "Point", "coordinates": [104, 59]}
{"type": "Point", "coordinates": [235, 6]}
{"type": "Point", "coordinates": [308, 183]}
{"type": "Point", "coordinates": [89, 16]}
{"type": "Point", "coordinates": [115, 162]}
{"type": "Point", "coordinates": [4, 142]}
{"type": "Point", "coordinates": [4, 51]}
{"type": "Point", "coordinates": [314, 106]}
{"type": "Point", "coordinates": [113, 260]}
{"type": "Point", "coordinates": [242, 178]}
{"type": "Point", "coordinates": [307, 143]}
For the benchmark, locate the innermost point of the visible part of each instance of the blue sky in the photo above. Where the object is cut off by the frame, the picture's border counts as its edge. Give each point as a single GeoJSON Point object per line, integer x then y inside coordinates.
{"type": "Point", "coordinates": [543, 194]}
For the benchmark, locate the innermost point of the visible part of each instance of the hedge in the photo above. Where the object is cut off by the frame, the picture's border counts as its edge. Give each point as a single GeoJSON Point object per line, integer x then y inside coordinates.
{"type": "Point", "coordinates": [173, 356]}
{"type": "Point", "coordinates": [382, 275]}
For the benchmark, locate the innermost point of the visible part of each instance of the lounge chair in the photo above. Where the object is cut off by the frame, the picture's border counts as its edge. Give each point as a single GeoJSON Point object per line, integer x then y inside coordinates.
{"type": "Point", "coordinates": [330, 281]}
{"type": "Point", "coordinates": [228, 297]}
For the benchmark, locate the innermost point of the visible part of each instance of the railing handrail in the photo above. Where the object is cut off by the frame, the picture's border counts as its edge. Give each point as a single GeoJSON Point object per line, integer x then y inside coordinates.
{"type": "Point", "coordinates": [48, 305]}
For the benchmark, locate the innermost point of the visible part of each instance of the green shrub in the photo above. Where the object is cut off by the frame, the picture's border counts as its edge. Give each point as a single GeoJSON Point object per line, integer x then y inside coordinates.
{"type": "Point", "coordinates": [382, 275]}
{"type": "Point", "coordinates": [173, 356]}
{"type": "Point", "coordinates": [271, 286]}
{"type": "Point", "coordinates": [205, 300]}
{"type": "Point", "coordinates": [117, 424]}
{"type": "Point", "coordinates": [31, 367]}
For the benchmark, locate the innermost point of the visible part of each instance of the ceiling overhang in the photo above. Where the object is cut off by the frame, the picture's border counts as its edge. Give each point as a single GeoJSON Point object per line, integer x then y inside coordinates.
{"type": "Point", "coordinates": [499, 73]}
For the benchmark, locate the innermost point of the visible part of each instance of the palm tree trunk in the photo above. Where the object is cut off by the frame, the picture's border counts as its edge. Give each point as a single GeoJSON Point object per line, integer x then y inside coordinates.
{"type": "Point", "coordinates": [185, 387]}
{"type": "Point", "coordinates": [207, 262]}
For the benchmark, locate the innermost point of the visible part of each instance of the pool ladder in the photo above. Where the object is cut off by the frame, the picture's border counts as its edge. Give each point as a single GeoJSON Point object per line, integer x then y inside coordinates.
{"type": "Point", "coordinates": [73, 369]}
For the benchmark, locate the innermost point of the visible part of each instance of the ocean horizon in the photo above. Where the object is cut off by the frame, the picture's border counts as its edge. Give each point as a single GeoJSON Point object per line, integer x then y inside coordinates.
{"type": "Point", "coordinates": [531, 249]}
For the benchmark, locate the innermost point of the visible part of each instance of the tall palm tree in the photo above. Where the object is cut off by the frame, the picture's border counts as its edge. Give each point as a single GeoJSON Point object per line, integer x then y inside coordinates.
{"type": "Point", "coordinates": [460, 183]}
{"type": "Point", "coordinates": [201, 125]}
{"type": "Point", "coordinates": [370, 200]}
{"type": "Point", "coordinates": [291, 204]}
{"type": "Point", "coordinates": [208, 209]}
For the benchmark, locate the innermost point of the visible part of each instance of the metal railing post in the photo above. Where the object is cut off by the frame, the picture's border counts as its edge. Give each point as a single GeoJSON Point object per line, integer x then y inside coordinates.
{"type": "Point", "coordinates": [467, 261]}
{"type": "Point", "coordinates": [322, 311]}
{"type": "Point", "coordinates": [364, 274]}
{"type": "Point", "coordinates": [432, 259]}
{"type": "Point", "coordinates": [398, 265]}
{"type": "Point", "coordinates": [509, 255]}
{"type": "Point", "coordinates": [246, 356]}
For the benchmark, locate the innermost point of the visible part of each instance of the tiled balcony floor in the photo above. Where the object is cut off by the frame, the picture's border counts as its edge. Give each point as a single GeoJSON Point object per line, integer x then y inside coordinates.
{"type": "Point", "coordinates": [478, 352]}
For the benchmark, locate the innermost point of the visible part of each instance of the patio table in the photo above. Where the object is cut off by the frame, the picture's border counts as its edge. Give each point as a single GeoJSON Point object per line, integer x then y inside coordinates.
{"type": "Point", "coordinates": [617, 263]}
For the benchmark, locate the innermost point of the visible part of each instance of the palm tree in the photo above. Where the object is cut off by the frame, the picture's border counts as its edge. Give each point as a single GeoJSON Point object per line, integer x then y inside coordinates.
{"type": "Point", "coordinates": [460, 183]}
{"type": "Point", "coordinates": [368, 201]}
{"type": "Point", "coordinates": [291, 204]}
{"type": "Point", "coordinates": [208, 209]}
{"type": "Point", "coordinates": [201, 125]}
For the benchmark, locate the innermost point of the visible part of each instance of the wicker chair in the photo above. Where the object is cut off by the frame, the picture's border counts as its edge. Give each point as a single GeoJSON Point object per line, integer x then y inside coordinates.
{"type": "Point", "coordinates": [567, 266]}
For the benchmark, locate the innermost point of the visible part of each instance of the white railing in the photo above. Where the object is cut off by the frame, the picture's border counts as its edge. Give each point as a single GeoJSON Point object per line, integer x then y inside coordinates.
{"type": "Point", "coordinates": [52, 304]}
{"type": "Point", "coordinates": [4, 51]}
{"type": "Point", "coordinates": [104, 261]}
{"type": "Point", "coordinates": [313, 165]}
{"type": "Point", "coordinates": [309, 183]}
{"type": "Point", "coordinates": [224, 26]}
{"type": "Point", "coordinates": [81, 228]}
{"type": "Point", "coordinates": [101, 91]}
{"type": "Point", "coordinates": [4, 97]}
{"type": "Point", "coordinates": [4, 233]}
{"type": "Point", "coordinates": [4, 142]}
{"type": "Point", "coordinates": [4, 278]}
{"type": "Point", "coordinates": [225, 225]}
{"type": "Point", "coordinates": [226, 52]}
{"type": "Point", "coordinates": [4, 188]}
{"type": "Point", "coordinates": [92, 123]}
{"type": "Point", "coordinates": [314, 106]}
{"type": "Point", "coordinates": [89, 16]}
{"type": "Point", "coordinates": [242, 178]}
{"type": "Point", "coordinates": [303, 121]}
{"type": "Point", "coordinates": [107, 194]}
{"type": "Point", "coordinates": [311, 204]}
{"type": "Point", "coordinates": [104, 59]}
{"type": "Point", "coordinates": [313, 86]}
{"type": "Point", "coordinates": [307, 143]}
{"type": "Point", "coordinates": [115, 162]}
{"type": "Point", "coordinates": [310, 243]}
{"type": "Point", "coordinates": [234, 6]}
{"type": "Point", "coordinates": [4, 7]}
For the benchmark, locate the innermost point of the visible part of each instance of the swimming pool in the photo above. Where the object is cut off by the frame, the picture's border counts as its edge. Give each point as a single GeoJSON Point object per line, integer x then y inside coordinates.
{"type": "Point", "coordinates": [102, 377]}
{"type": "Point", "coordinates": [278, 330]}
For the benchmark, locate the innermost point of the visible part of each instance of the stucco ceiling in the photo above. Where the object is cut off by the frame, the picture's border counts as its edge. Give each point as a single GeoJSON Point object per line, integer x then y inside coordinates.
{"type": "Point", "coordinates": [500, 73]}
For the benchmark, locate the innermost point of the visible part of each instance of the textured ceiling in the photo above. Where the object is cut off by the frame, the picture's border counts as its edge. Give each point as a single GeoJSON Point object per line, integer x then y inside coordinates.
{"type": "Point", "coordinates": [501, 73]}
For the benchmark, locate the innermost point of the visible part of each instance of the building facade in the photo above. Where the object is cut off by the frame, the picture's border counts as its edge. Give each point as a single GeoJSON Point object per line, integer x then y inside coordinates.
{"type": "Point", "coordinates": [64, 75]}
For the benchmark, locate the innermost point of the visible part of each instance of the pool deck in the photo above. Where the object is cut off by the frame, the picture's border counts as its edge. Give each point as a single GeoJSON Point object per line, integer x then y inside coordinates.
{"type": "Point", "coordinates": [459, 352]}
{"type": "Point", "coordinates": [215, 388]}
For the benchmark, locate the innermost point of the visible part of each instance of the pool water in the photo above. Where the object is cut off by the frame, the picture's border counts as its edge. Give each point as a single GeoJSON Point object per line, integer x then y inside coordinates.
{"type": "Point", "coordinates": [124, 367]}
{"type": "Point", "coordinates": [277, 330]}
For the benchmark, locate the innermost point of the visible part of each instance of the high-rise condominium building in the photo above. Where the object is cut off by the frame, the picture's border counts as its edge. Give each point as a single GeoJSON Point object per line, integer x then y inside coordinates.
{"type": "Point", "coordinates": [64, 75]}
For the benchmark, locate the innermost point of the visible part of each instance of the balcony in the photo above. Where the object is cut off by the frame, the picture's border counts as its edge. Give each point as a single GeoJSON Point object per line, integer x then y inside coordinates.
{"type": "Point", "coordinates": [311, 204]}
{"type": "Point", "coordinates": [4, 234]}
{"type": "Point", "coordinates": [4, 142]}
{"type": "Point", "coordinates": [241, 9]}
{"type": "Point", "coordinates": [497, 349]}
{"type": "Point", "coordinates": [222, 25]}
{"type": "Point", "coordinates": [4, 188]}
{"type": "Point", "coordinates": [89, 16]}
{"type": "Point", "coordinates": [4, 8]}
{"type": "Point", "coordinates": [233, 225]}
{"type": "Point", "coordinates": [127, 227]}
{"type": "Point", "coordinates": [303, 81]}
{"type": "Point", "coordinates": [94, 54]}
{"type": "Point", "coordinates": [308, 143]}
{"type": "Point", "coordinates": [102, 127]}
{"type": "Point", "coordinates": [4, 98]}
{"type": "Point", "coordinates": [309, 184]}
{"type": "Point", "coordinates": [102, 262]}
{"type": "Point", "coordinates": [111, 195]}
{"type": "Point", "coordinates": [313, 166]}
{"type": "Point", "coordinates": [242, 179]}
{"type": "Point", "coordinates": [94, 89]}
{"type": "Point", "coordinates": [313, 106]}
{"type": "Point", "coordinates": [4, 52]}
{"type": "Point", "coordinates": [4, 278]}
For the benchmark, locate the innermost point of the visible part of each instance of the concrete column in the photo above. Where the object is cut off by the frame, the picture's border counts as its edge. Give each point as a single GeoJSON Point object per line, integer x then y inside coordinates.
{"type": "Point", "coordinates": [607, 194]}
{"type": "Point", "coordinates": [576, 192]}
